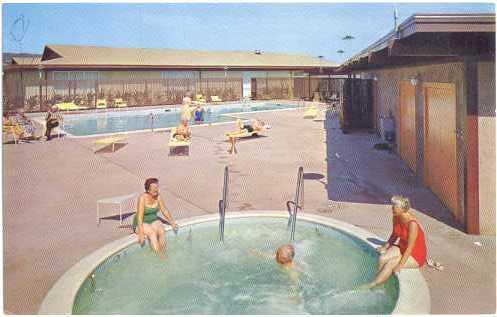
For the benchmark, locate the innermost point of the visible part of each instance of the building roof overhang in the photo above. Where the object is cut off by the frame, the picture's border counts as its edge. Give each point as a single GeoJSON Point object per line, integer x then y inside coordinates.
{"type": "Point", "coordinates": [429, 37]}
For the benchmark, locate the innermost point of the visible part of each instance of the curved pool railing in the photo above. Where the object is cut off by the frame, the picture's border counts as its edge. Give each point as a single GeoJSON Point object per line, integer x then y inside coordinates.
{"type": "Point", "coordinates": [223, 203]}
{"type": "Point", "coordinates": [413, 296]}
{"type": "Point", "coordinates": [297, 203]}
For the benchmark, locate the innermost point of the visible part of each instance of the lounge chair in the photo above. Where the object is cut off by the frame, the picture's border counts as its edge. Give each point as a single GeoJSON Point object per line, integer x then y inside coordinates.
{"type": "Point", "coordinates": [216, 99]}
{"type": "Point", "coordinates": [242, 134]}
{"type": "Point", "coordinates": [118, 102]}
{"type": "Point", "coordinates": [13, 129]}
{"type": "Point", "coordinates": [311, 113]}
{"type": "Point", "coordinates": [101, 103]}
{"type": "Point", "coordinates": [65, 106]}
{"type": "Point", "coordinates": [112, 140]}
{"type": "Point", "coordinates": [175, 144]}
{"type": "Point", "coordinates": [199, 99]}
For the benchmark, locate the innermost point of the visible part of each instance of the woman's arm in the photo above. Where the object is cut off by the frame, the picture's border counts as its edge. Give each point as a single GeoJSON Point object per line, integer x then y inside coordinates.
{"type": "Point", "coordinates": [391, 240]}
{"type": "Point", "coordinates": [140, 211]}
{"type": "Point", "coordinates": [167, 214]}
{"type": "Point", "coordinates": [411, 240]}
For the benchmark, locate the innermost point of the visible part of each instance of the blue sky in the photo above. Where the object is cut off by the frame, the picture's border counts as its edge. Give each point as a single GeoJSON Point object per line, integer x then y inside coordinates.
{"type": "Point", "coordinates": [313, 29]}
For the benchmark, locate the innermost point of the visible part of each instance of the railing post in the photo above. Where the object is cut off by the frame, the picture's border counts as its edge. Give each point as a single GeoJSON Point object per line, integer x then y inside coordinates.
{"type": "Point", "coordinates": [299, 197]}
{"type": "Point", "coordinates": [223, 204]}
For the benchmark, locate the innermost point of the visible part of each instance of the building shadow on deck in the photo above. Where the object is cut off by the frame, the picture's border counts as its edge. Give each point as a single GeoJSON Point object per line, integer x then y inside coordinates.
{"type": "Point", "coordinates": [359, 173]}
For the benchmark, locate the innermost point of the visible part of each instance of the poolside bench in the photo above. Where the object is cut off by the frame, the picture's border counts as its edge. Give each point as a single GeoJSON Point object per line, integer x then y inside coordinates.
{"type": "Point", "coordinates": [113, 140]}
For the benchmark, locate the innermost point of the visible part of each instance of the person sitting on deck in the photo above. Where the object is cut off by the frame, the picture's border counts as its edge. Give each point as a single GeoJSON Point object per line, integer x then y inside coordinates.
{"type": "Point", "coordinates": [12, 127]}
{"type": "Point", "coordinates": [410, 250]}
{"type": "Point", "coordinates": [146, 220]}
{"type": "Point", "coordinates": [25, 123]}
{"type": "Point", "coordinates": [183, 132]}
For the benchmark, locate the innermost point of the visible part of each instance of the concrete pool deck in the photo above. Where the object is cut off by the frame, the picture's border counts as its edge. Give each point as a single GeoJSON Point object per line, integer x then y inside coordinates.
{"type": "Point", "coordinates": [51, 188]}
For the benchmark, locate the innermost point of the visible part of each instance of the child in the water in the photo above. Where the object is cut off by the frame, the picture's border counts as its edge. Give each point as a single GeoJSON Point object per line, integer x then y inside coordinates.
{"type": "Point", "coordinates": [284, 257]}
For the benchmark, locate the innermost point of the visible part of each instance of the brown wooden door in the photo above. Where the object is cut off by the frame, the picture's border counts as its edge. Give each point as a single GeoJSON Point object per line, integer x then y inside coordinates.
{"type": "Point", "coordinates": [408, 124]}
{"type": "Point", "coordinates": [440, 143]}
{"type": "Point", "coordinates": [253, 88]}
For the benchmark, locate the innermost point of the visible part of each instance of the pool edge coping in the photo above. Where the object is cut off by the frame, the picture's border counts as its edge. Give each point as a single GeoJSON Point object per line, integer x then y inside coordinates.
{"type": "Point", "coordinates": [414, 295]}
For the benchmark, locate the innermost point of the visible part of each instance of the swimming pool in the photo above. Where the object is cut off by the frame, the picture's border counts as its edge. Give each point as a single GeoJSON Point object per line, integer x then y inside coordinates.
{"type": "Point", "coordinates": [89, 124]}
{"type": "Point", "coordinates": [203, 276]}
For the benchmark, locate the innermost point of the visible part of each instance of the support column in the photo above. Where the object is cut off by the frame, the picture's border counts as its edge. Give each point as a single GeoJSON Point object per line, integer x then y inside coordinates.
{"type": "Point", "coordinates": [471, 192]}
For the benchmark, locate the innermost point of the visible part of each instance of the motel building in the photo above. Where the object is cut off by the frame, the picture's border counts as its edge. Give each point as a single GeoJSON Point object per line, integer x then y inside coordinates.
{"type": "Point", "coordinates": [164, 75]}
{"type": "Point", "coordinates": [434, 76]}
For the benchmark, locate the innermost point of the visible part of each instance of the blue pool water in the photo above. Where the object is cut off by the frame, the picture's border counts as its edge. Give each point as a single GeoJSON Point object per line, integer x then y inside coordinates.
{"type": "Point", "coordinates": [124, 121]}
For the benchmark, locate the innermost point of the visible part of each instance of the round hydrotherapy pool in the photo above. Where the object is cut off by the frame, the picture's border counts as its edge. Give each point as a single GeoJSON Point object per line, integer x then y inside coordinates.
{"type": "Point", "coordinates": [202, 275]}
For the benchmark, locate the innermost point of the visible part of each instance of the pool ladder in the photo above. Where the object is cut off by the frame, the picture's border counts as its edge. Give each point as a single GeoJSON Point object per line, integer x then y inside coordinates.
{"type": "Point", "coordinates": [223, 203]}
{"type": "Point", "coordinates": [298, 203]}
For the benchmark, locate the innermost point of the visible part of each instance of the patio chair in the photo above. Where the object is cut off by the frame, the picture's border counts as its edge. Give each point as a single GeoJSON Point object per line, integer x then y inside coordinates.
{"type": "Point", "coordinates": [101, 103]}
{"type": "Point", "coordinates": [216, 99]}
{"type": "Point", "coordinates": [65, 106]}
{"type": "Point", "coordinates": [175, 145]}
{"type": "Point", "coordinates": [118, 102]}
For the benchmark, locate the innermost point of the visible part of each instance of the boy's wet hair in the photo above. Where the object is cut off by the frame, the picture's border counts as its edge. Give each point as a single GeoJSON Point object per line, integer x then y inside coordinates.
{"type": "Point", "coordinates": [287, 251]}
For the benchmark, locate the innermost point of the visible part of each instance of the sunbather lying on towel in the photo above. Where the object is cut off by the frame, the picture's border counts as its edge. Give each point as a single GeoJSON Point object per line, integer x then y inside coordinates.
{"type": "Point", "coordinates": [255, 126]}
{"type": "Point", "coordinates": [183, 132]}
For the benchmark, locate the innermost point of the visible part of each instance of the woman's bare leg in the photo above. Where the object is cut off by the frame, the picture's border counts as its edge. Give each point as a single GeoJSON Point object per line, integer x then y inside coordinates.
{"type": "Point", "coordinates": [161, 234]}
{"type": "Point", "coordinates": [149, 231]}
{"type": "Point", "coordinates": [387, 269]}
{"type": "Point", "coordinates": [392, 252]}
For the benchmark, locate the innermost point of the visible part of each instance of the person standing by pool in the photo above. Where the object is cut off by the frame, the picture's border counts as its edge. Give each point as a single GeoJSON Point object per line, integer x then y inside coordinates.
{"type": "Point", "coordinates": [199, 114]}
{"type": "Point", "coordinates": [409, 251]}
{"type": "Point", "coordinates": [146, 220]}
{"type": "Point", "coordinates": [52, 120]}
{"type": "Point", "coordinates": [186, 111]}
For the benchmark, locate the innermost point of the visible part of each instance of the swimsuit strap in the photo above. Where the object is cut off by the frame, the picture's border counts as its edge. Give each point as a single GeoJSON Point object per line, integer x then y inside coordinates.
{"type": "Point", "coordinates": [413, 220]}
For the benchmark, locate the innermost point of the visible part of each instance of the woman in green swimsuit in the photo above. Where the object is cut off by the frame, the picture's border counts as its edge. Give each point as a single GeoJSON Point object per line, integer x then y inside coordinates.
{"type": "Point", "coordinates": [146, 219]}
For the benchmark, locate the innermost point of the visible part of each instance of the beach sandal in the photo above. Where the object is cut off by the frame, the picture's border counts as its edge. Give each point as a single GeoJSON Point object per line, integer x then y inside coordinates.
{"type": "Point", "coordinates": [434, 264]}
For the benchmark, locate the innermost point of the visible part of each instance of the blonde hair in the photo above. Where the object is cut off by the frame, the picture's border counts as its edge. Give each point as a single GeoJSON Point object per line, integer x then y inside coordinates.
{"type": "Point", "coordinates": [187, 99]}
{"type": "Point", "coordinates": [401, 202]}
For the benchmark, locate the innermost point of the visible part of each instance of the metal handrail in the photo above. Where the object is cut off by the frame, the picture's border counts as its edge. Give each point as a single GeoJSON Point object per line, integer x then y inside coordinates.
{"type": "Point", "coordinates": [223, 203]}
{"type": "Point", "coordinates": [298, 203]}
{"type": "Point", "coordinates": [290, 205]}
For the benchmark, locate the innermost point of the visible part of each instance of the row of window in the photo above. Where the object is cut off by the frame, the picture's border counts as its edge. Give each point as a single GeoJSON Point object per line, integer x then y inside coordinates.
{"type": "Point", "coordinates": [95, 75]}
